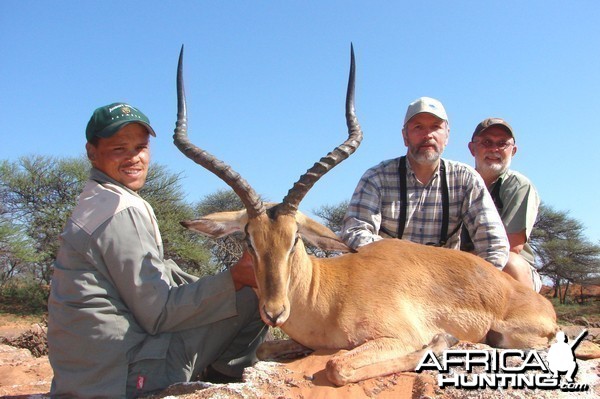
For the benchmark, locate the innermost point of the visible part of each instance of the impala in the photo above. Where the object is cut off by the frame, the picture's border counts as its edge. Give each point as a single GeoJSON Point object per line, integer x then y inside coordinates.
{"type": "Point", "coordinates": [381, 304]}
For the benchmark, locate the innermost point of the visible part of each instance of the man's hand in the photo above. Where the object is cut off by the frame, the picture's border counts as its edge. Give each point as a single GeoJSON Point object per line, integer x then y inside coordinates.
{"type": "Point", "coordinates": [517, 241]}
{"type": "Point", "coordinates": [243, 272]}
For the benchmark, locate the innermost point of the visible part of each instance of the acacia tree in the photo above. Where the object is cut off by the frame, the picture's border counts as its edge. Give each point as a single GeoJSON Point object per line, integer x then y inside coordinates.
{"type": "Point", "coordinates": [164, 193]}
{"type": "Point", "coordinates": [16, 252]}
{"type": "Point", "coordinates": [333, 215]}
{"type": "Point", "coordinates": [564, 255]}
{"type": "Point", "coordinates": [38, 194]}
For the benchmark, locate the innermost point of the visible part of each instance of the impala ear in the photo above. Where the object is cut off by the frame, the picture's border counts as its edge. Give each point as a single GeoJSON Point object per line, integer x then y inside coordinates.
{"type": "Point", "coordinates": [217, 225]}
{"type": "Point", "coordinates": [319, 235]}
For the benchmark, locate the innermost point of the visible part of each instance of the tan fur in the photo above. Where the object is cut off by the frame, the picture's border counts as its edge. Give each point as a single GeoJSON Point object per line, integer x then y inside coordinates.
{"type": "Point", "coordinates": [385, 302]}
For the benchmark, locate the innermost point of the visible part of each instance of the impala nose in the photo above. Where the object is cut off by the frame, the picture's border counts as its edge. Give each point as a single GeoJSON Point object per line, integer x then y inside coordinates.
{"type": "Point", "coordinates": [272, 317]}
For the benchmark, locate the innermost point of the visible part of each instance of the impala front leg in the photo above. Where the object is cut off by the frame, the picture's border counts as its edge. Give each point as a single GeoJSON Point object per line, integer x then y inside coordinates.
{"type": "Point", "coordinates": [381, 357]}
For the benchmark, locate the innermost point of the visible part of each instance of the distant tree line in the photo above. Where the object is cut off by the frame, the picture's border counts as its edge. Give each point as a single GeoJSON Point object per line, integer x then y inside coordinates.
{"type": "Point", "coordinates": [38, 193]}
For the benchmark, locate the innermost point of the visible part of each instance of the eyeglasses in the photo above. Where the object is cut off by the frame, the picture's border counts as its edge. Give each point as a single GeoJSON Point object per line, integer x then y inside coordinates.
{"type": "Point", "coordinates": [501, 145]}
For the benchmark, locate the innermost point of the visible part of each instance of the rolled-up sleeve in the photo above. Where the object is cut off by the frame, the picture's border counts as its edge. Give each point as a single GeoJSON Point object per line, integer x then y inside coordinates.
{"type": "Point", "coordinates": [521, 202]}
{"type": "Point", "coordinates": [484, 224]}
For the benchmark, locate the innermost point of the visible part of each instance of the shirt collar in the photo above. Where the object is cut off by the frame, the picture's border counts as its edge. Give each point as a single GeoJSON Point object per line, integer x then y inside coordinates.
{"type": "Point", "coordinates": [101, 177]}
{"type": "Point", "coordinates": [499, 179]}
{"type": "Point", "coordinates": [411, 174]}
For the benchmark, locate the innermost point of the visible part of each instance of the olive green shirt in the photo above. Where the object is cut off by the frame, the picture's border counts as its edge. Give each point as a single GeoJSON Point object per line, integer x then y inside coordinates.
{"type": "Point", "coordinates": [520, 203]}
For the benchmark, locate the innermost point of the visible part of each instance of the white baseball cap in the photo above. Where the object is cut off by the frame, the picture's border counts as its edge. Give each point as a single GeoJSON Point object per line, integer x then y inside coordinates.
{"type": "Point", "coordinates": [425, 104]}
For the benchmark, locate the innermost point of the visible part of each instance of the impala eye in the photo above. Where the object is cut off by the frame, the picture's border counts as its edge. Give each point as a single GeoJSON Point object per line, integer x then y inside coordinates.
{"type": "Point", "coordinates": [295, 243]}
{"type": "Point", "coordinates": [247, 239]}
{"type": "Point", "coordinates": [249, 243]}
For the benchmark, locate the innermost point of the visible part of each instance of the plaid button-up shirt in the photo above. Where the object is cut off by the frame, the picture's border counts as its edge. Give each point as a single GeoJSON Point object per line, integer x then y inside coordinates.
{"type": "Point", "coordinates": [375, 206]}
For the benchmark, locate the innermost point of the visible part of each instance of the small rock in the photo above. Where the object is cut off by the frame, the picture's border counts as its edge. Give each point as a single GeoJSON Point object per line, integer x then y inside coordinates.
{"type": "Point", "coordinates": [587, 350]}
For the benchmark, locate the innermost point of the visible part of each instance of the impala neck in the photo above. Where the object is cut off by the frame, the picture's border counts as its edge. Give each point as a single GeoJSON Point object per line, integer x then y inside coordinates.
{"type": "Point", "coordinates": [301, 276]}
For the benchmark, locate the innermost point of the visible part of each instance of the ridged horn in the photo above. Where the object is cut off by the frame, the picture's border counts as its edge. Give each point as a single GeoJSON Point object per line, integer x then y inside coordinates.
{"type": "Point", "coordinates": [252, 202]}
{"type": "Point", "coordinates": [304, 184]}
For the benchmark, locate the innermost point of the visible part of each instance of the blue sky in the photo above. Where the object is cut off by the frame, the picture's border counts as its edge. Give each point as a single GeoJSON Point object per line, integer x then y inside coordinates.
{"type": "Point", "coordinates": [265, 83]}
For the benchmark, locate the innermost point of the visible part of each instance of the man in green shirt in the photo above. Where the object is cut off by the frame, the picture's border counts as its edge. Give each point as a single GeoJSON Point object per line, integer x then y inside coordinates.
{"type": "Point", "coordinates": [122, 320]}
{"type": "Point", "coordinates": [493, 146]}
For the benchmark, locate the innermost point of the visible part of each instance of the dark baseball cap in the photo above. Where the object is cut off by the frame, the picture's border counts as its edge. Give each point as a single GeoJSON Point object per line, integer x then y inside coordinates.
{"type": "Point", "coordinates": [489, 122]}
{"type": "Point", "coordinates": [107, 120]}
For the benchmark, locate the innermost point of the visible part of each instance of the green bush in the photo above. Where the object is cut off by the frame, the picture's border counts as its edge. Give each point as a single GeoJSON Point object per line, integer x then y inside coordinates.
{"type": "Point", "coordinates": [24, 297]}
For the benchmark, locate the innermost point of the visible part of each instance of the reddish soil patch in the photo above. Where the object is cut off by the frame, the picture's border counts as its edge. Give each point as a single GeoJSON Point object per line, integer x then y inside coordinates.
{"type": "Point", "coordinates": [24, 376]}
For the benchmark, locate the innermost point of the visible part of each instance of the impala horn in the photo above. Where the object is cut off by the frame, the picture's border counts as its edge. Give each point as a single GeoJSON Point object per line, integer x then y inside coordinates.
{"type": "Point", "coordinates": [252, 202]}
{"type": "Point", "coordinates": [307, 180]}
{"type": "Point", "coordinates": [248, 196]}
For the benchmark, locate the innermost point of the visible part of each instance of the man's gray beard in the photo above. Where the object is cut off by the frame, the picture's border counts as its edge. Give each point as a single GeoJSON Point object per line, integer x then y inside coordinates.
{"type": "Point", "coordinates": [428, 158]}
{"type": "Point", "coordinates": [496, 168]}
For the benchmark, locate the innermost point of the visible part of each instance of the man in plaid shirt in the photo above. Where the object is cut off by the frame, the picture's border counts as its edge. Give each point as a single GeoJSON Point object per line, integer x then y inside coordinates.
{"type": "Point", "coordinates": [376, 206]}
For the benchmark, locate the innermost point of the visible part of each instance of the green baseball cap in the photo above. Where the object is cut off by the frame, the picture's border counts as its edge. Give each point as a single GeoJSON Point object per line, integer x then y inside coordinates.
{"type": "Point", "coordinates": [107, 120]}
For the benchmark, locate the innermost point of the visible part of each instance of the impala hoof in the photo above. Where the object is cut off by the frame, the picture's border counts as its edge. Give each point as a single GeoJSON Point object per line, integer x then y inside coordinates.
{"type": "Point", "coordinates": [339, 372]}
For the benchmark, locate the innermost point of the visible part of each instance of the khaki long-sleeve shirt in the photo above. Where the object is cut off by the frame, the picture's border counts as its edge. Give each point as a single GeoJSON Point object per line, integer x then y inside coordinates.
{"type": "Point", "coordinates": [114, 299]}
